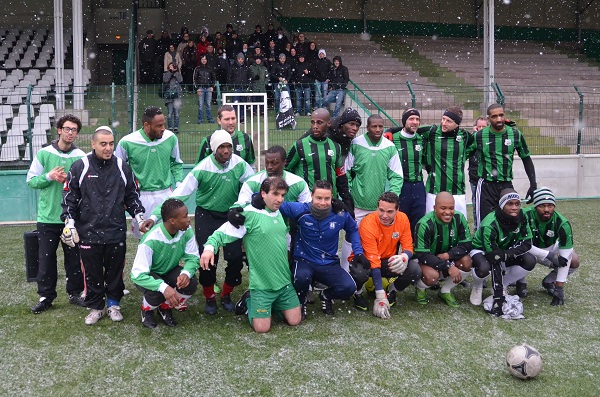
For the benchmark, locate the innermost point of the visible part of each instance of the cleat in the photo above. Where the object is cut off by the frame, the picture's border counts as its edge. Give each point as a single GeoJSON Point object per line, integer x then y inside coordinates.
{"type": "Point", "coordinates": [465, 284]}
{"type": "Point", "coordinates": [241, 307]}
{"type": "Point", "coordinates": [310, 297]}
{"type": "Point", "coordinates": [182, 307]}
{"type": "Point", "coordinates": [326, 304]}
{"type": "Point", "coordinates": [392, 298]}
{"type": "Point", "coordinates": [360, 302]}
{"type": "Point", "coordinates": [549, 287]}
{"type": "Point", "coordinates": [227, 303]}
{"type": "Point", "coordinates": [43, 305]}
{"type": "Point", "coordinates": [93, 317]}
{"type": "Point", "coordinates": [211, 307]}
{"type": "Point", "coordinates": [148, 319]}
{"type": "Point", "coordinates": [448, 298]}
{"type": "Point", "coordinates": [476, 295]}
{"type": "Point", "coordinates": [522, 290]}
{"type": "Point", "coordinates": [167, 316]}
{"type": "Point", "coordinates": [114, 312]}
{"type": "Point", "coordinates": [77, 300]}
{"type": "Point", "coordinates": [558, 297]}
{"type": "Point", "coordinates": [303, 312]}
{"type": "Point", "coordinates": [421, 296]}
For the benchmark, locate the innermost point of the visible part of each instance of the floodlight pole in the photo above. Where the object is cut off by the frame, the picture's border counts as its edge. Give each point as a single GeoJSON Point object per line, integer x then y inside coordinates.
{"type": "Point", "coordinates": [77, 55]}
{"type": "Point", "coordinates": [488, 52]}
{"type": "Point", "coordinates": [59, 55]}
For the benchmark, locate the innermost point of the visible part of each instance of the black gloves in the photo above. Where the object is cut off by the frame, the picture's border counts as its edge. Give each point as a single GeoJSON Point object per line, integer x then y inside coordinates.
{"type": "Point", "coordinates": [497, 256]}
{"type": "Point", "coordinates": [552, 257]}
{"type": "Point", "coordinates": [338, 206]}
{"type": "Point", "coordinates": [529, 195]}
{"type": "Point", "coordinates": [258, 202]}
{"type": "Point", "coordinates": [562, 261]}
{"type": "Point", "coordinates": [235, 217]}
{"type": "Point", "coordinates": [360, 269]}
{"type": "Point", "coordinates": [361, 260]}
{"type": "Point", "coordinates": [558, 296]}
{"type": "Point", "coordinates": [510, 123]}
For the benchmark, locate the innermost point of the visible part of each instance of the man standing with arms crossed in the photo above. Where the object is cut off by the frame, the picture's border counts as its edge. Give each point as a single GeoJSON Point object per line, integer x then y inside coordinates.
{"type": "Point", "coordinates": [153, 154]}
{"type": "Point", "coordinates": [48, 172]}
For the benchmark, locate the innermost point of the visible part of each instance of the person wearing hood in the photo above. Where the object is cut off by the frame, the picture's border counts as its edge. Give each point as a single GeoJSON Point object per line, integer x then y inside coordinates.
{"type": "Point", "coordinates": [338, 79]}
{"type": "Point", "coordinates": [447, 148]}
{"type": "Point", "coordinates": [238, 79]}
{"type": "Point", "coordinates": [322, 67]}
{"type": "Point", "coordinates": [504, 236]}
{"type": "Point", "coordinates": [281, 72]}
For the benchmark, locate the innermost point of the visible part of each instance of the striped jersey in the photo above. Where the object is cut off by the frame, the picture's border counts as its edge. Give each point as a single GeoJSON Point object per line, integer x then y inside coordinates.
{"type": "Point", "coordinates": [490, 235]}
{"type": "Point", "coordinates": [436, 237]}
{"type": "Point", "coordinates": [158, 253]}
{"type": "Point", "coordinates": [495, 151]}
{"type": "Point", "coordinates": [264, 236]}
{"type": "Point", "coordinates": [242, 146]}
{"type": "Point", "coordinates": [314, 160]}
{"type": "Point", "coordinates": [546, 234]}
{"type": "Point", "coordinates": [446, 154]}
{"type": "Point", "coordinates": [46, 159]}
{"type": "Point", "coordinates": [370, 167]}
{"type": "Point", "coordinates": [216, 186]}
{"type": "Point", "coordinates": [152, 161]}
{"type": "Point", "coordinates": [297, 188]}
{"type": "Point", "coordinates": [410, 152]}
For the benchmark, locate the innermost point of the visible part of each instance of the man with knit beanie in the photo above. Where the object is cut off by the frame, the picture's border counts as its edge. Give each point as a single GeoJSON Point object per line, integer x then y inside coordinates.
{"type": "Point", "coordinates": [504, 237]}
{"type": "Point", "coordinates": [447, 148]}
{"type": "Point", "coordinates": [442, 246]}
{"type": "Point", "coordinates": [552, 243]}
{"type": "Point", "coordinates": [216, 181]}
{"type": "Point", "coordinates": [408, 140]}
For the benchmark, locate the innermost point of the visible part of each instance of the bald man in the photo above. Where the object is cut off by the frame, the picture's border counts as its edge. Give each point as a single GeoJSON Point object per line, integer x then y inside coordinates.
{"type": "Point", "coordinates": [442, 245]}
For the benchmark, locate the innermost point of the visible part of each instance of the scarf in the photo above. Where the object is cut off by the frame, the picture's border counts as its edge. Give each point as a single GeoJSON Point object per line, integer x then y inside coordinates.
{"type": "Point", "coordinates": [509, 223]}
{"type": "Point", "coordinates": [318, 213]}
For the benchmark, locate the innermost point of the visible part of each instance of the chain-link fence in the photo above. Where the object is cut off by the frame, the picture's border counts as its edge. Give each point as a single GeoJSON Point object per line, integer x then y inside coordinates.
{"type": "Point", "coordinates": [555, 120]}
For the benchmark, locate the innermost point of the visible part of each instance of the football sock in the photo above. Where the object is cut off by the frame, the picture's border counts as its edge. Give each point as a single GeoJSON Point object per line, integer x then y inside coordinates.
{"type": "Point", "coordinates": [146, 306]}
{"type": "Point", "coordinates": [513, 274]}
{"type": "Point", "coordinates": [346, 251]}
{"type": "Point", "coordinates": [477, 282]}
{"type": "Point", "coordinates": [227, 290]}
{"type": "Point", "coordinates": [209, 292]}
{"type": "Point", "coordinates": [421, 285]}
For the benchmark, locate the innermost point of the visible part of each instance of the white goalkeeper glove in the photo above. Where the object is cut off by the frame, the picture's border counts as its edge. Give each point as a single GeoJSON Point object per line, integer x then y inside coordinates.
{"type": "Point", "coordinates": [139, 218]}
{"type": "Point", "coordinates": [398, 263]}
{"type": "Point", "coordinates": [381, 307]}
{"type": "Point", "coordinates": [69, 235]}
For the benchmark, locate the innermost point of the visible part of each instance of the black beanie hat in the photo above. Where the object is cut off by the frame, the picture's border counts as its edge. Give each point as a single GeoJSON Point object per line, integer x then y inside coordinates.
{"type": "Point", "coordinates": [350, 114]}
{"type": "Point", "coordinates": [454, 113]}
{"type": "Point", "coordinates": [409, 112]}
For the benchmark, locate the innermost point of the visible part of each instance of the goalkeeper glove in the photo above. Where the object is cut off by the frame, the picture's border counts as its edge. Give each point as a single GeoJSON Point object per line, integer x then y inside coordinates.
{"type": "Point", "coordinates": [139, 218]}
{"type": "Point", "coordinates": [552, 257]}
{"type": "Point", "coordinates": [258, 202]}
{"type": "Point", "coordinates": [497, 256]}
{"type": "Point", "coordinates": [361, 260]}
{"type": "Point", "coordinates": [235, 217]}
{"type": "Point", "coordinates": [381, 306]}
{"type": "Point", "coordinates": [338, 206]}
{"type": "Point", "coordinates": [69, 235]}
{"type": "Point", "coordinates": [397, 263]}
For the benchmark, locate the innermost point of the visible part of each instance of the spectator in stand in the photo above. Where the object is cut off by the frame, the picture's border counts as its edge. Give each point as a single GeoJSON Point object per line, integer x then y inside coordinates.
{"type": "Point", "coordinates": [302, 46]}
{"type": "Point", "coordinates": [288, 49]}
{"type": "Point", "coordinates": [219, 41]}
{"type": "Point", "coordinates": [147, 50]}
{"type": "Point", "coordinates": [228, 32]}
{"type": "Point", "coordinates": [181, 38]}
{"type": "Point", "coordinates": [173, 57]}
{"type": "Point", "coordinates": [204, 82]}
{"type": "Point", "coordinates": [270, 34]}
{"type": "Point", "coordinates": [271, 54]}
{"type": "Point", "coordinates": [322, 67]}
{"type": "Point", "coordinates": [238, 80]}
{"type": "Point", "coordinates": [281, 72]}
{"type": "Point", "coordinates": [303, 80]}
{"type": "Point", "coordinates": [183, 42]}
{"type": "Point", "coordinates": [257, 53]}
{"type": "Point", "coordinates": [212, 58]}
{"type": "Point", "coordinates": [245, 51]}
{"type": "Point", "coordinates": [281, 40]}
{"type": "Point", "coordinates": [256, 38]}
{"type": "Point", "coordinates": [259, 76]}
{"type": "Point", "coordinates": [338, 80]}
{"type": "Point", "coordinates": [172, 80]}
{"type": "Point", "coordinates": [189, 59]}
{"type": "Point", "coordinates": [201, 46]}
{"type": "Point", "coordinates": [204, 32]}
{"type": "Point", "coordinates": [162, 46]}
{"type": "Point", "coordinates": [312, 53]}
{"type": "Point", "coordinates": [234, 46]}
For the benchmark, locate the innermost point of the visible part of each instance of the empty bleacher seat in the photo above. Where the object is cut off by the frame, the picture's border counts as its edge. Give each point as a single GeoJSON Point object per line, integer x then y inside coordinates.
{"type": "Point", "coordinates": [48, 109]}
{"type": "Point", "coordinates": [10, 150]}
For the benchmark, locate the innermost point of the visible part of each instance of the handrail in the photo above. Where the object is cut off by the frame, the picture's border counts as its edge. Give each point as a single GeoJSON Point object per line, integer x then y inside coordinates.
{"type": "Point", "coordinates": [580, 123]}
{"type": "Point", "coordinates": [380, 110]}
{"type": "Point", "coordinates": [499, 94]}
{"type": "Point", "coordinates": [413, 96]}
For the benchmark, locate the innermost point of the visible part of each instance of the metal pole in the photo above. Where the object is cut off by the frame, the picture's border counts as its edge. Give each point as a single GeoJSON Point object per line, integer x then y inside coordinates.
{"type": "Point", "coordinates": [29, 132]}
{"type": "Point", "coordinates": [413, 97]}
{"type": "Point", "coordinates": [580, 123]}
{"type": "Point", "coordinates": [77, 55]}
{"type": "Point", "coordinates": [59, 55]}
{"type": "Point", "coordinates": [488, 51]}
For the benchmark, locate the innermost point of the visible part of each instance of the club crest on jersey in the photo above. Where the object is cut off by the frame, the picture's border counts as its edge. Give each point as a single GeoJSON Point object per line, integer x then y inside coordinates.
{"type": "Point", "coordinates": [451, 233]}
{"type": "Point", "coordinates": [507, 142]}
{"type": "Point", "coordinates": [418, 148]}
{"type": "Point", "coordinates": [332, 225]}
{"type": "Point", "coordinates": [239, 148]}
{"type": "Point", "coordinates": [275, 221]}
{"type": "Point", "coordinates": [153, 150]}
{"type": "Point", "coordinates": [550, 233]}
{"type": "Point", "coordinates": [395, 235]}
{"type": "Point", "coordinates": [330, 153]}
{"type": "Point", "coordinates": [459, 138]}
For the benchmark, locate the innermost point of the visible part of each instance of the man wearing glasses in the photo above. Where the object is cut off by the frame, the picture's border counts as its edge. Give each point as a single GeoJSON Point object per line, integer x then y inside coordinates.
{"type": "Point", "coordinates": [48, 173]}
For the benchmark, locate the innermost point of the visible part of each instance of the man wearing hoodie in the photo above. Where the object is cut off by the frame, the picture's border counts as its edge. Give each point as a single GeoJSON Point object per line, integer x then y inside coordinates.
{"type": "Point", "coordinates": [322, 67]}
{"type": "Point", "coordinates": [338, 80]}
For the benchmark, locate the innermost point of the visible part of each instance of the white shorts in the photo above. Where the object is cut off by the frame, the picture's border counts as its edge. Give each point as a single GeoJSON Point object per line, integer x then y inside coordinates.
{"type": "Point", "coordinates": [460, 203]}
{"type": "Point", "coordinates": [360, 213]}
{"type": "Point", "coordinates": [150, 200]}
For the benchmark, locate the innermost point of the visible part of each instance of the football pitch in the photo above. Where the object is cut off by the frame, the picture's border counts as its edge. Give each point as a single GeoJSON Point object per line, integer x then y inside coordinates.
{"type": "Point", "coordinates": [430, 350]}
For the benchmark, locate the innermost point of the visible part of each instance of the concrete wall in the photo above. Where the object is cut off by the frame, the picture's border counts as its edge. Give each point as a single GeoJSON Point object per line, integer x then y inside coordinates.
{"type": "Point", "coordinates": [567, 176]}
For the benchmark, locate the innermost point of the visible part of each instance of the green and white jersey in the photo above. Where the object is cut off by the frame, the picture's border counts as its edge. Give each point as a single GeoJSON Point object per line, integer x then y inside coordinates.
{"type": "Point", "coordinates": [446, 154]}
{"type": "Point", "coordinates": [242, 146]}
{"type": "Point", "coordinates": [495, 151]}
{"type": "Point", "coordinates": [490, 235]}
{"type": "Point", "coordinates": [370, 165]}
{"type": "Point", "coordinates": [216, 186]}
{"type": "Point", "coordinates": [314, 160]}
{"type": "Point", "coordinates": [152, 162]}
{"type": "Point", "coordinates": [297, 188]}
{"type": "Point", "coordinates": [264, 236]}
{"type": "Point", "coordinates": [410, 151]}
{"type": "Point", "coordinates": [49, 205]}
{"type": "Point", "coordinates": [436, 237]}
{"type": "Point", "coordinates": [546, 234]}
{"type": "Point", "coordinates": [159, 252]}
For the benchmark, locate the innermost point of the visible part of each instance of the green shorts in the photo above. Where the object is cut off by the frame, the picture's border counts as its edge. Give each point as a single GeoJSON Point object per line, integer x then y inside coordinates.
{"type": "Point", "coordinates": [263, 302]}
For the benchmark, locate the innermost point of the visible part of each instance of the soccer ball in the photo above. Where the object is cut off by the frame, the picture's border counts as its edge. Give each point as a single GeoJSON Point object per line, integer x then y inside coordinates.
{"type": "Point", "coordinates": [524, 362]}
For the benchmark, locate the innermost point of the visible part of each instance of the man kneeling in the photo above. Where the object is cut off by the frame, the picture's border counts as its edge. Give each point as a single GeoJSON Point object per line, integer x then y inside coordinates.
{"type": "Point", "coordinates": [156, 271]}
{"type": "Point", "coordinates": [264, 234]}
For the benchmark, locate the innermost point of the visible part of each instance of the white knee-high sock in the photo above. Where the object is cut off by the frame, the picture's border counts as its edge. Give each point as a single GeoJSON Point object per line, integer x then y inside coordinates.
{"type": "Point", "coordinates": [513, 274]}
{"type": "Point", "coordinates": [346, 251]}
{"type": "Point", "coordinates": [448, 284]}
{"type": "Point", "coordinates": [421, 285]}
{"type": "Point", "coordinates": [477, 282]}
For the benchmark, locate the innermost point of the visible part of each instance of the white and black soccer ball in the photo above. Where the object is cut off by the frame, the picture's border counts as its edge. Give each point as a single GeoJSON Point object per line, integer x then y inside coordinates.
{"type": "Point", "coordinates": [524, 362]}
